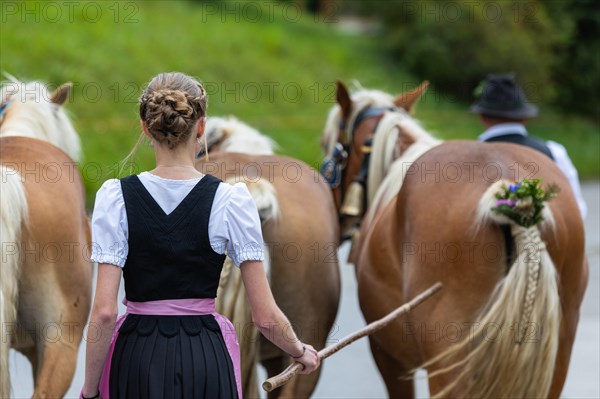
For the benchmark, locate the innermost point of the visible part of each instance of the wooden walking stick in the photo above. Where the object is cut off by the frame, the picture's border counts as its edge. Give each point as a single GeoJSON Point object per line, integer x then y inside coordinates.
{"type": "Point", "coordinates": [287, 374]}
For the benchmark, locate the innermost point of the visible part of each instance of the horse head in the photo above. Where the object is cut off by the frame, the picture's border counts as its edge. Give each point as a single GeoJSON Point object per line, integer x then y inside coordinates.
{"type": "Point", "coordinates": [364, 134]}
{"type": "Point", "coordinates": [30, 109]}
{"type": "Point", "coordinates": [231, 135]}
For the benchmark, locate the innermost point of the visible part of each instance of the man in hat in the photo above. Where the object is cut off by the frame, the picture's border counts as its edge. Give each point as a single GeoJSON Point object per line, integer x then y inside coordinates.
{"type": "Point", "coordinates": [504, 109]}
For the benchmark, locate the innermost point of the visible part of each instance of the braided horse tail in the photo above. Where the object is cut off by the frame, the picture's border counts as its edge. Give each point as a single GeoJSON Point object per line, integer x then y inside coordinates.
{"type": "Point", "coordinates": [525, 308]}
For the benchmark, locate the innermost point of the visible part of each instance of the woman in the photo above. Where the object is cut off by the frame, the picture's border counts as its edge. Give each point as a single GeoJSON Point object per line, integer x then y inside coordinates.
{"type": "Point", "coordinates": [168, 230]}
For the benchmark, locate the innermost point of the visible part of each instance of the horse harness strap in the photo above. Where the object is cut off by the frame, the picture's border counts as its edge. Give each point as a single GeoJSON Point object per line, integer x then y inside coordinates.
{"type": "Point", "coordinates": [332, 167]}
{"type": "Point", "coordinates": [352, 200]}
{"type": "Point", "coordinates": [210, 145]}
{"type": "Point", "coordinates": [368, 112]}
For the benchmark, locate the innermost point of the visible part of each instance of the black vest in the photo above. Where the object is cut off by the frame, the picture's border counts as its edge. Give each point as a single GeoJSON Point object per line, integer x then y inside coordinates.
{"type": "Point", "coordinates": [170, 256]}
{"type": "Point", "coordinates": [528, 141]}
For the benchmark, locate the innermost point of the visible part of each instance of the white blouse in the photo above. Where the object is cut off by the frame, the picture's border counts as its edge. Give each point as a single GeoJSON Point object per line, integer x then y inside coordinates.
{"type": "Point", "coordinates": [233, 228]}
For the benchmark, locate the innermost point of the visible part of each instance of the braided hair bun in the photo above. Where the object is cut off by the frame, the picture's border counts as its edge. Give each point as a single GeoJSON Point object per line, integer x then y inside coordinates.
{"type": "Point", "coordinates": [171, 106]}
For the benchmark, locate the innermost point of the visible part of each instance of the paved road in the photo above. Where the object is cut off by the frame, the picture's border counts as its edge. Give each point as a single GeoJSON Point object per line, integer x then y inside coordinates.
{"type": "Point", "coordinates": [352, 374]}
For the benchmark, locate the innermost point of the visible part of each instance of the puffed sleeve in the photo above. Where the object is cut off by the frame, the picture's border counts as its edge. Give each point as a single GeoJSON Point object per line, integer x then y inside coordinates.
{"type": "Point", "coordinates": [109, 225]}
{"type": "Point", "coordinates": [559, 152]}
{"type": "Point", "coordinates": [245, 240]}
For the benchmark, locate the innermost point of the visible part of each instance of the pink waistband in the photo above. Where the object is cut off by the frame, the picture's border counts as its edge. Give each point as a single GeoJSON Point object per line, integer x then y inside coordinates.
{"type": "Point", "coordinates": [172, 307]}
{"type": "Point", "coordinates": [177, 307]}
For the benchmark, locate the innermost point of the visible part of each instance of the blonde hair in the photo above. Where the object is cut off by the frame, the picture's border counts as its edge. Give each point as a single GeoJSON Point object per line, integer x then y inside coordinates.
{"type": "Point", "coordinates": [170, 106]}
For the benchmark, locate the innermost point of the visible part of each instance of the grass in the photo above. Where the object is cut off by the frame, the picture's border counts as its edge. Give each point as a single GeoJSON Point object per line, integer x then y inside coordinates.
{"type": "Point", "coordinates": [276, 73]}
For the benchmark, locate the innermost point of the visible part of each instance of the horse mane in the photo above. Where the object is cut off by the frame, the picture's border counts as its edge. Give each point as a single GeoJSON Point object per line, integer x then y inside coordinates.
{"type": "Point", "coordinates": [31, 114]}
{"type": "Point", "coordinates": [386, 174]}
{"type": "Point", "coordinates": [235, 136]}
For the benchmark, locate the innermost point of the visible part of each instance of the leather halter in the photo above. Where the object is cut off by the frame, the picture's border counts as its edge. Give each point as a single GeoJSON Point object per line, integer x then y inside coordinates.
{"type": "Point", "coordinates": [366, 113]}
{"type": "Point", "coordinates": [210, 144]}
{"type": "Point", "coordinates": [333, 166]}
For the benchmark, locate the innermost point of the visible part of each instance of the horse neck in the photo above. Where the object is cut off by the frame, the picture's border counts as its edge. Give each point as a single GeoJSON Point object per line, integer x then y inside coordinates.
{"type": "Point", "coordinates": [386, 173]}
{"type": "Point", "coordinates": [248, 145]}
{"type": "Point", "coordinates": [25, 120]}
{"type": "Point", "coordinates": [247, 140]}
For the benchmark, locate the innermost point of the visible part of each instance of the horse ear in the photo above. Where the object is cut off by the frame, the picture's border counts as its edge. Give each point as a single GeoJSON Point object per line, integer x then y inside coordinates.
{"type": "Point", "coordinates": [61, 94]}
{"type": "Point", "coordinates": [409, 99]}
{"type": "Point", "coordinates": [342, 96]}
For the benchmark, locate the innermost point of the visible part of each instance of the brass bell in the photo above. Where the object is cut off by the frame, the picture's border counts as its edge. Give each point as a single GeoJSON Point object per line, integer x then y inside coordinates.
{"type": "Point", "coordinates": [354, 202]}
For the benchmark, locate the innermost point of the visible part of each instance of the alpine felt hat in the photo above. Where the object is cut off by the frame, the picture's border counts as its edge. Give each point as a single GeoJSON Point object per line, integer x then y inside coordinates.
{"type": "Point", "coordinates": [502, 97]}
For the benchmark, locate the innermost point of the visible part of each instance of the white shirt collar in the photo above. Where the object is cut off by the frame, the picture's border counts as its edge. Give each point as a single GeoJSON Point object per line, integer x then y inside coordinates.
{"type": "Point", "coordinates": [503, 128]}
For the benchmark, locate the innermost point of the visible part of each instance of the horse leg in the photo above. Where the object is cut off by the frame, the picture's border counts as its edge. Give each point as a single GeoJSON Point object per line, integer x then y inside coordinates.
{"type": "Point", "coordinates": [311, 315]}
{"type": "Point", "coordinates": [52, 354]}
{"type": "Point", "coordinates": [312, 327]}
{"type": "Point", "coordinates": [301, 386]}
{"type": "Point", "coordinates": [393, 373]}
{"type": "Point", "coordinates": [57, 318]}
{"type": "Point", "coordinates": [312, 322]}
{"type": "Point", "coordinates": [57, 367]}
{"type": "Point", "coordinates": [31, 355]}
{"type": "Point", "coordinates": [273, 360]}
{"type": "Point", "coordinates": [576, 280]}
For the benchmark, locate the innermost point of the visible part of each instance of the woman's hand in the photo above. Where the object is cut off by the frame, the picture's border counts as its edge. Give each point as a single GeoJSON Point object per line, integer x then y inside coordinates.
{"type": "Point", "coordinates": [310, 360]}
{"type": "Point", "coordinates": [90, 396]}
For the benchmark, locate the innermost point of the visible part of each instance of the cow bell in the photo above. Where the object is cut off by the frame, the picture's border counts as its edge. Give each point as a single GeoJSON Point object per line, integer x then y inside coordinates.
{"type": "Point", "coordinates": [354, 200]}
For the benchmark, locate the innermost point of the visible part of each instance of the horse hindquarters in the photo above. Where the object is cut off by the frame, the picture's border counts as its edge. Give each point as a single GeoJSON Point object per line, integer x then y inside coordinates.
{"type": "Point", "coordinates": [524, 311]}
{"type": "Point", "coordinates": [381, 289]}
{"type": "Point", "coordinates": [13, 210]}
{"type": "Point", "coordinates": [55, 273]}
{"type": "Point", "coordinates": [304, 273]}
{"type": "Point", "coordinates": [302, 242]}
{"type": "Point", "coordinates": [56, 299]}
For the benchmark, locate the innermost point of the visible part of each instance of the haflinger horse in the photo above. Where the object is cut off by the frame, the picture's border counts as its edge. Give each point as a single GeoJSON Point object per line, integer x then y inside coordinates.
{"type": "Point", "coordinates": [505, 322]}
{"type": "Point", "coordinates": [46, 275]}
{"type": "Point", "coordinates": [299, 225]}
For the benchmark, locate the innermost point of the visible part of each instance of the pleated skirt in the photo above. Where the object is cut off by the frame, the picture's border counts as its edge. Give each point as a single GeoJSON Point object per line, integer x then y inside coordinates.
{"type": "Point", "coordinates": [171, 357]}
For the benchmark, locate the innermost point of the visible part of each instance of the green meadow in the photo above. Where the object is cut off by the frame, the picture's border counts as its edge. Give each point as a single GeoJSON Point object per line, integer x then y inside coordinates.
{"type": "Point", "coordinates": [271, 65]}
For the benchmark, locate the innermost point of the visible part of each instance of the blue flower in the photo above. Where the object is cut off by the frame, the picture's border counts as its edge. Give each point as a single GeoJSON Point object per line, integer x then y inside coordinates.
{"type": "Point", "coordinates": [514, 187]}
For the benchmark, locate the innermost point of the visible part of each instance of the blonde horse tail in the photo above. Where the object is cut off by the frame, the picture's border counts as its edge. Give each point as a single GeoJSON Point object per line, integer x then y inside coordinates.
{"type": "Point", "coordinates": [512, 349]}
{"type": "Point", "coordinates": [265, 198]}
{"type": "Point", "coordinates": [13, 213]}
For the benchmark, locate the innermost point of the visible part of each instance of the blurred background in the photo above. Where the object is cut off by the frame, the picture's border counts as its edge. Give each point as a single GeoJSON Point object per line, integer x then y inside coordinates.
{"type": "Point", "coordinates": [274, 64]}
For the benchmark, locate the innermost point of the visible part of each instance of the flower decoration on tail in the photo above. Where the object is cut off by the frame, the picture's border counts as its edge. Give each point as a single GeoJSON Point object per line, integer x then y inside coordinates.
{"type": "Point", "coordinates": [524, 201]}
